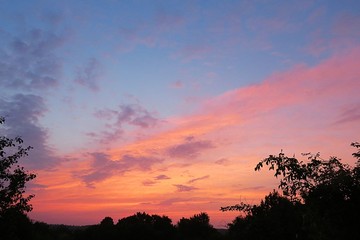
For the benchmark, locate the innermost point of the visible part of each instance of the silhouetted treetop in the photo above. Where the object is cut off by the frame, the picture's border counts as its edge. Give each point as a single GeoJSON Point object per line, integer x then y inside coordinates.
{"type": "Point", "coordinates": [14, 204]}
{"type": "Point", "coordinates": [13, 177]}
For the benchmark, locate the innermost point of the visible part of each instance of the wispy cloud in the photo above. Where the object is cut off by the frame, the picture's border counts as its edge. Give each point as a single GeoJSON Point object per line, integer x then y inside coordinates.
{"type": "Point", "coordinates": [148, 183]}
{"type": "Point", "coordinates": [222, 161]}
{"type": "Point", "coordinates": [162, 177]}
{"type": "Point", "coordinates": [151, 32]}
{"type": "Point", "coordinates": [198, 179]}
{"type": "Point", "coordinates": [184, 188]}
{"type": "Point", "coordinates": [89, 75]}
{"type": "Point", "coordinates": [350, 114]}
{"type": "Point", "coordinates": [30, 62]}
{"type": "Point", "coordinates": [125, 115]}
{"type": "Point", "coordinates": [189, 149]}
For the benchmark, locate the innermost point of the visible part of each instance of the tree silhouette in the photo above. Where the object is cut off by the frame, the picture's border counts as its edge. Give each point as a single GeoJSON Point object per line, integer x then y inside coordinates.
{"type": "Point", "coordinates": [197, 227]}
{"type": "Point", "coordinates": [321, 196]}
{"type": "Point", "coordinates": [276, 217]}
{"type": "Point", "coordinates": [13, 202]}
{"type": "Point", "coordinates": [145, 226]}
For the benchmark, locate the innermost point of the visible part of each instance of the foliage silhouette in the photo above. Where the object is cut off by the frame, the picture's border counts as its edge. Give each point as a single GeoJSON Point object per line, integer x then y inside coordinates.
{"type": "Point", "coordinates": [276, 217]}
{"type": "Point", "coordinates": [13, 178]}
{"type": "Point", "coordinates": [138, 226]}
{"type": "Point", "coordinates": [197, 227]}
{"type": "Point", "coordinates": [322, 198]}
{"type": "Point", "coordinates": [145, 226]}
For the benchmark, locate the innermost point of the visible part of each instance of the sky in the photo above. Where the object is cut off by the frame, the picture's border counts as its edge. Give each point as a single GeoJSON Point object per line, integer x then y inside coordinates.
{"type": "Point", "coordinates": [167, 106]}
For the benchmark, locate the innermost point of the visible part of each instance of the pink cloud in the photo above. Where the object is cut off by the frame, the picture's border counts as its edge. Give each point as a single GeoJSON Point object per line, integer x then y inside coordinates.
{"type": "Point", "coordinates": [184, 188]}
{"type": "Point", "coordinates": [162, 177]}
{"type": "Point", "coordinates": [189, 149]}
{"type": "Point", "coordinates": [222, 161]}
{"type": "Point", "coordinates": [198, 179]}
{"type": "Point", "coordinates": [349, 114]}
{"type": "Point", "coordinates": [335, 77]}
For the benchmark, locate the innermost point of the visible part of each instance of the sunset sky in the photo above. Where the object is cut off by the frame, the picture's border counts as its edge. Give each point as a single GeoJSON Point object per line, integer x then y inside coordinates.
{"type": "Point", "coordinates": [167, 106]}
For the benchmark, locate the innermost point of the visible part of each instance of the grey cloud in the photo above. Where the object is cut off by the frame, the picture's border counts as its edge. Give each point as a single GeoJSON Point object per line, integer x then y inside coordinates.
{"type": "Point", "coordinates": [22, 113]}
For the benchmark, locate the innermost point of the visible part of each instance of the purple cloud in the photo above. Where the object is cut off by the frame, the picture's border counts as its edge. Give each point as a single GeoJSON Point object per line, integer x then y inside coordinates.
{"type": "Point", "coordinates": [148, 183]}
{"type": "Point", "coordinates": [102, 167]}
{"type": "Point", "coordinates": [255, 188]}
{"type": "Point", "coordinates": [222, 161]}
{"type": "Point", "coordinates": [184, 188]}
{"type": "Point", "coordinates": [189, 149]}
{"type": "Point", "coordinates": [126, 115]}
{"type": "Point", "coordinates": [171, 201]}
{"type": "Point", "coordinates": [350, 114]}
{"type": "Point", "coordinates": [89, 74]}
{"type": "Point", "coordinates": [198, 179]}
{"type": "Point", "coordinates": [29, 62]}
{"type": "Point", "coordinates": [162, 177]}
{"type": "Point", "coordinates": [22, 114]}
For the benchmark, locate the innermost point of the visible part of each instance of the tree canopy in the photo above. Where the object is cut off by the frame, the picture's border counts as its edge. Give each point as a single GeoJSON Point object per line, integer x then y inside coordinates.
{"type": "Point", "coordinates": [320, 200]}
{"type": "Point", "coordinates": [14, 203]}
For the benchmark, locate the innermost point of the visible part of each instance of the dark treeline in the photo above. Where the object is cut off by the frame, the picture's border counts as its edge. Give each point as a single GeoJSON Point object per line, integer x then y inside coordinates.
{"type": "Point", "coordinates": [140, 226]}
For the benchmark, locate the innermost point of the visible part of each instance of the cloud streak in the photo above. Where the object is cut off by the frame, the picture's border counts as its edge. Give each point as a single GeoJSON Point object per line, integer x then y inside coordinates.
{"type": "Point", "coordinates": [198, 179]}
{"type": "Point", "coordinates": [184, 188]}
